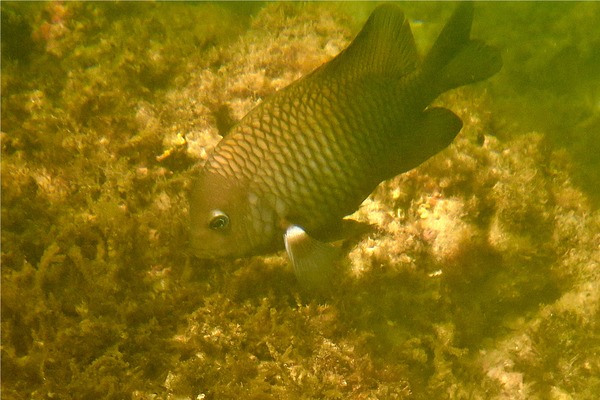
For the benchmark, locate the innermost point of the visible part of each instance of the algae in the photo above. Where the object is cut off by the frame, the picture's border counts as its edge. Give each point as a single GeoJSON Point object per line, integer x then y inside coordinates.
{"type": "Point", "coordinates": [481, 280]}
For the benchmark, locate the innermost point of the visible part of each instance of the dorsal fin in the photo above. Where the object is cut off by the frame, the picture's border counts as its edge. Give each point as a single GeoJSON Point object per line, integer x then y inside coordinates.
{"type": "Point", "coordinates": [384, 46]}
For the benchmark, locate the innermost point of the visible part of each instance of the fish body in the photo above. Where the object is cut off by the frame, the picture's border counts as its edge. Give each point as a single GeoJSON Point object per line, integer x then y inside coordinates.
{"type": "Point", "coordinates": [297, 164]}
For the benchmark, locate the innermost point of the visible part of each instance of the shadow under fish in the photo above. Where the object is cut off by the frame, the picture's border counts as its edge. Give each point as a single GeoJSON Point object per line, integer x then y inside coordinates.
{"type": "Point", "coordinates": [288, 173]}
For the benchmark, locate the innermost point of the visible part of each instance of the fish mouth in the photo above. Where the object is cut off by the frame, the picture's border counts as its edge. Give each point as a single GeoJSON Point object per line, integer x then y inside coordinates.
{"type": "Point", "coordinates": [199, 249]}
{"type": "Point", "coordinates": [203, 253]}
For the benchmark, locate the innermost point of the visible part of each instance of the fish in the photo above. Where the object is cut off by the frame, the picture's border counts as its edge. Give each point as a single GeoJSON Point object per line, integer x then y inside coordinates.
{"type": "Point", "coordinates": [289, 172]}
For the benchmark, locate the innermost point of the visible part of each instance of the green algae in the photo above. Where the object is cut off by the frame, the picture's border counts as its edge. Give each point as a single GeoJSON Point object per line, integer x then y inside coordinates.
{"type": "Point", "coordinates": [480, 282]}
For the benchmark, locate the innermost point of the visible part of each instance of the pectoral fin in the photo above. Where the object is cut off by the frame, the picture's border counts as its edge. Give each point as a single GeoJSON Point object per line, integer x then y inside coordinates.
{"type": "Point", "coordinates": [313, 261]}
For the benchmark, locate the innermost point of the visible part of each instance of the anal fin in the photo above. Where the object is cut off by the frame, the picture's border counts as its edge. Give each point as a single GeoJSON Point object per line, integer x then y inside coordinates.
{"type": "Point", "coordinates": [435, 130]}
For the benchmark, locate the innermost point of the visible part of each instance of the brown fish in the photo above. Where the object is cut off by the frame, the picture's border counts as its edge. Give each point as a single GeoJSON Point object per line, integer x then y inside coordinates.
{"type": "Point", "coordinates": [296, 165]}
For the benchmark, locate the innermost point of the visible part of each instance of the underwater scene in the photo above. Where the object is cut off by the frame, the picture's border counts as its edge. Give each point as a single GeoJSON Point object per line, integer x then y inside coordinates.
{"type": "Point", "coordinates": [471, 272]}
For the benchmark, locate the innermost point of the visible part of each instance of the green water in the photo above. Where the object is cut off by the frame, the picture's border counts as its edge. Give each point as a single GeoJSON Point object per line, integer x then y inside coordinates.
{"type": "Point", "coordinates": [481, 280]}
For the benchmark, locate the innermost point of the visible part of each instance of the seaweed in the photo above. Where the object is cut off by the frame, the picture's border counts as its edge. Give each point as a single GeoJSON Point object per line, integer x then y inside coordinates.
{"type": "Point", "coordinates": [480, 279]}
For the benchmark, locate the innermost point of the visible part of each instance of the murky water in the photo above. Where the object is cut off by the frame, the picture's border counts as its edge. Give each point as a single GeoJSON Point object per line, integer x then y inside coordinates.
{"type": "Point", "coordinates": [480, 278]}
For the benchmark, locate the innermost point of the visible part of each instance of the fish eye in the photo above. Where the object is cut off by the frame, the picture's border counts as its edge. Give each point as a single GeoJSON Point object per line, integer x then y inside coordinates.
{"type": "Point", "coordinates": [218, 220]}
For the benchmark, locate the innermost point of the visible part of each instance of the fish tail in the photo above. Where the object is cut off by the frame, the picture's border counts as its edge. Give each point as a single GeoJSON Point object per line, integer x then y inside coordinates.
{"type": "Point", "coordinates": [456, 60]}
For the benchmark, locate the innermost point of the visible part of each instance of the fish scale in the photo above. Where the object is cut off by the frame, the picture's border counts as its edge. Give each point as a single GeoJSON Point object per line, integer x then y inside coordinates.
{"type": "Point", "coordinates": [312, 182]}
{"type": "Point", "coordinates": [289, 171]}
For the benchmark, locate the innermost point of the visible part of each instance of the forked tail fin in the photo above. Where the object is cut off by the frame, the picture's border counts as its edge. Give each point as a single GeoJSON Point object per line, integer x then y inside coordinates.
{"type": "Point", "coordinates": [454, 59]}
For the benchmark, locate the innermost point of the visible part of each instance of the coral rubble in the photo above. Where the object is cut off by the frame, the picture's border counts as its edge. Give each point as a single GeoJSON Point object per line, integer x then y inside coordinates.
{"type": "Point", "coordinates": [480, 278]}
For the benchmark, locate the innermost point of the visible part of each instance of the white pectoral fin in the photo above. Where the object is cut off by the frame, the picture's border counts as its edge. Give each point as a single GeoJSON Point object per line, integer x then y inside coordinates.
{"type": "Point", "coordinates": [313, 260]}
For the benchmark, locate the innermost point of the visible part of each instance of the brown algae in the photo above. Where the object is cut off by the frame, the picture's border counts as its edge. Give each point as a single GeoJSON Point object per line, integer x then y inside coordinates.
{"type": "Point", "coordinates": [481, 282]}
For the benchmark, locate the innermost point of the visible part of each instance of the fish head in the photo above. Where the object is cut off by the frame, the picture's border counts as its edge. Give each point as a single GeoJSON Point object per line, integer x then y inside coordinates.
{"type": "Point", "coordinates": [219, 217]}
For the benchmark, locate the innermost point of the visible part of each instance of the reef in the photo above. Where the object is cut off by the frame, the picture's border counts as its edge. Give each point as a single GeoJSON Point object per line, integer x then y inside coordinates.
{"type": "Point", "coordinates": [479, 279]}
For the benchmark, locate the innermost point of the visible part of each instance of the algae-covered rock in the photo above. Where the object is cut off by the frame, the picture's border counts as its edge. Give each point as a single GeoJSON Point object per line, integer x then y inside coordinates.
{"type": "Point", "coordinates": [480, 278]}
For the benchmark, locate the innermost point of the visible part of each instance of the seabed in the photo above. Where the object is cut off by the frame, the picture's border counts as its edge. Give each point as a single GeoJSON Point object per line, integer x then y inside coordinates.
{"type": "Point", "coordinates": [481, 281]}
